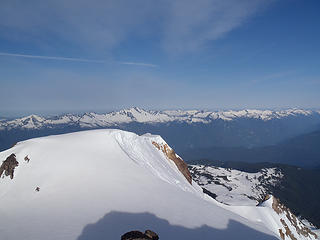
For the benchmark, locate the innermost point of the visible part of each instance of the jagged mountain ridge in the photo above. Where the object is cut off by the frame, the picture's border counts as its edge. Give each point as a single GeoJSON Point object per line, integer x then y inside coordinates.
{"type": "Point", "coordinates": [93, 120]}
{"type": "Point", "coordinates": [198, 129]}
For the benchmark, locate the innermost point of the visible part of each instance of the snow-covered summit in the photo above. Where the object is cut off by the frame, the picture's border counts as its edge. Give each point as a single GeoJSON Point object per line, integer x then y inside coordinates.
{"type": "Point", "coordinates": [29, 122]}
{"type": "Point", "coordinates": [131, 115]}
{"type": "Point", "coordinates": [65, 185]}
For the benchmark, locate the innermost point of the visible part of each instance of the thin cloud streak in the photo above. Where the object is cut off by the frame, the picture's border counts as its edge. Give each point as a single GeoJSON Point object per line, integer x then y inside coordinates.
{"type": "Point", "coordinates": [138, 64]}
{"type": "Point", "coordinates": [51, 58]}
{"type": "Point", "coordinates": [74, 59]}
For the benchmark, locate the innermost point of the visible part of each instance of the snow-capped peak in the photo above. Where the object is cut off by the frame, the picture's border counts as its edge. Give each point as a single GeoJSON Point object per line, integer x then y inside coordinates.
{"type": "Point", "coordinates": [31, 122]}
{"type": "Point", "coordinates": [138, 115]}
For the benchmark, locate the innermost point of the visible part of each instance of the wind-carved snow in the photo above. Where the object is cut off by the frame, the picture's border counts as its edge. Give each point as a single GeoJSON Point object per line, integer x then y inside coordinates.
{"type": "Point", "coordinates": [235, 187]}
{"type": "Point", "coordinates": [141, 150]}
{"type": "Point", "coordinates": [94, 120]}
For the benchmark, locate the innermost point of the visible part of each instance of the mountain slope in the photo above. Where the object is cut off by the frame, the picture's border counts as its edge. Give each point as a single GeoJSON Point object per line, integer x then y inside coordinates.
{"type": "Point", "coordinates": [73, 186]}
{"type": "Point", "coordinates": [83, 176]}
{"type": "Point", "coordinates": [246, 190]}
{"type": "Point", "coordinates": [296, 187]}
{"type": "Point", "coordinates": [234, 187]}
{"type": "Point", "coordinates": [302, 150]}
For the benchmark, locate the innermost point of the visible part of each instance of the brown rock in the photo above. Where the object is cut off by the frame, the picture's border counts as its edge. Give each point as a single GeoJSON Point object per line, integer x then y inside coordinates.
{"type": "Point", "coordinates": [181, 165]}
{"type": "Point", "coordinates": [301, 229]}
{"type": "Point", "coordinates": [288, 232]}
{"type": "Point", "coordinates": [9, 165]}
{"type": "Point", "coordinates": [152, 235]}
{"type": "Point", "coordinates": [281, 234]}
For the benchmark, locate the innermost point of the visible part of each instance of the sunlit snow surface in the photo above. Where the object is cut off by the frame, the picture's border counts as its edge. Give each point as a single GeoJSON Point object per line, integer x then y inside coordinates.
{"type": "Point", "coordinates": [93, 176]}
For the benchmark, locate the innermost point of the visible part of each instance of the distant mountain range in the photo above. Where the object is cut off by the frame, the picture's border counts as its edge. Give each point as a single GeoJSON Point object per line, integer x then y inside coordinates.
{"type": "Point", "coordinates": [137, 115]}
{"type": "Point", "coordinates": [194, 134]}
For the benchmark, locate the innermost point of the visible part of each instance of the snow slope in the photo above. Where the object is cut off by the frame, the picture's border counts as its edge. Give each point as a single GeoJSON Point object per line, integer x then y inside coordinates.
{"type": "Point", "coordinates": [235, 187]}
{"type": "Point", "coordinates": [275, 215]}
{"type": "Point", "coordinates": [137, 115]}
{"type": "Point", "coordinates": [247, 194]}
{"type": "Point", "coordinates": [99, 184]}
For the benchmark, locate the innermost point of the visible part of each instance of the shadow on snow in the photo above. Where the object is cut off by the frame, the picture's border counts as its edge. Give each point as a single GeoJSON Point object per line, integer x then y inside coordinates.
{"type": "Point", "coordinates": [115, 224]}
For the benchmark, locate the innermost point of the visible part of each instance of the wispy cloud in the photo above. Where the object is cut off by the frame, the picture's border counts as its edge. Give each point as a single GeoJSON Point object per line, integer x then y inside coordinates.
{"type": "Point", "coordinates": [51, 58]}
{"type": "Point", "coordinates": [75, 59]}
{"type": "Point", "coordinates": [180, 26]}
{"type": "Point", "coordinates": [191, 25]}
{"type": "Point", "coordinates": [138, 64]}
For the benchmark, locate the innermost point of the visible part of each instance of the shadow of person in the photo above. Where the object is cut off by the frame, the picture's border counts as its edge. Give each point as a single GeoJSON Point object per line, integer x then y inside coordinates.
{"type": "Point", "coordinates": [115, 224]}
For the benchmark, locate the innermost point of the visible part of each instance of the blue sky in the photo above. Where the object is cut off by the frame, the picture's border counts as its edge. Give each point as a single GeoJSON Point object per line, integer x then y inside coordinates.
{"type": "Point", "coordinates": [72, 56]}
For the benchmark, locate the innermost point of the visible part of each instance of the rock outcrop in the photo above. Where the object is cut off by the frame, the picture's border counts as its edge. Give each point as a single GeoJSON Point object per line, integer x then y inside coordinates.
{"type": "Point", "coordinates": [137, 235]}
{"type": "Point", "coordinates": [300, 228]}
{"type": "Point", "coordinates": [9, 165]}
{"type": "Point", "coordinates": [170, 153]}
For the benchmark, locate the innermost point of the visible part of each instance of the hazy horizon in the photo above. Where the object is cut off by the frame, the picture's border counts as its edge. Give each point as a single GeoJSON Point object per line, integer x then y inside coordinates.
{"type": "Point", "coordinates": [17, 114]}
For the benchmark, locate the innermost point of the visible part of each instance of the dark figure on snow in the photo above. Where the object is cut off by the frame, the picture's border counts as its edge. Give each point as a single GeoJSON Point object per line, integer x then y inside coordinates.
{"type": "Point", "coordinates": [27, 159]}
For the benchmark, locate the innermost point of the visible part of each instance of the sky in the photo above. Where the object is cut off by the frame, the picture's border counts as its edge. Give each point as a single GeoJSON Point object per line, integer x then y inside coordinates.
{"type": "Point", "coordinates": [75, 56]}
